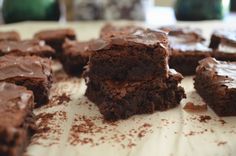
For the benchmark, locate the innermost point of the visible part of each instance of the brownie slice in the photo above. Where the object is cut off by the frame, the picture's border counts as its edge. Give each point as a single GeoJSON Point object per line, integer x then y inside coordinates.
{"type": "Point", "coordinates": [109, 30]}
{"type": "Point", "coordinates": [132, 57]}
{"type": "Point", "coordinates": [75, 56]}
{"type": "Point", "coordinates": [30, 71]}
{"type": "Point", "coordinates": [55, 38]}
{"type": "Point", "coordinates": [215, 81]}
{"type": "Point", "coordinates": [223, 43]}
{"type": "Point", "coordinates": [9, 36]}
{"type": "Point", "coordinates": [16, 119]}
{"type": "Point", "coordinates": [186, 49]}
{"type": "Point", "coordinates": [120, 100]}
{"type": "Point", "coordinates": [26, 47]}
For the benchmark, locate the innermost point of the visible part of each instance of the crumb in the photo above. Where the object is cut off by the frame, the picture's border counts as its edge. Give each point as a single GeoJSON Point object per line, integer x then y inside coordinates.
{"type": "Point", "coordinates": [191, 107]}
{"type": "Point", "coordinates": [204, 118]}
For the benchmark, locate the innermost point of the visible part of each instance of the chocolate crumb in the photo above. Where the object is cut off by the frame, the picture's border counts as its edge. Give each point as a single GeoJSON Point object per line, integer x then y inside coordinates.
{"type": "Point", "coordinates": [221, 143]}
{"type": "Point", "coordinates": [191, 107]}
{"type": "Point", "coordinates": [204, 118]}
{"type": "Point", "coordinates": [222, 121]}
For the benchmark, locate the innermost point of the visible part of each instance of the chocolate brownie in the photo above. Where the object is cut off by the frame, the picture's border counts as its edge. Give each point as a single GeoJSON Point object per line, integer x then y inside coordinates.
{"type": "Point", "coordinates": [30, 71]}
{"type": "Point", "coordinates": [223, 43]}
{"type": "Point", "coordinates": [26, 47]}
{"type": "Point", "coordinates": [120, 100]}
{"type": "Point", "coordinates": [16, 119]}
{"type": "Point", "coordinates": [109, 30]}
{"type": "Point", "coordinates": [75, 56]}
{"type": "Point", "coordinates": [215, 81]}
{"type": "Point", "coordinates": [186, 49]}
{"type": "Point", "coordinates": [132, 57]}
{"type": "Point", "coordinates": [55, 38]}
{"type": "Point", "coordinates": [9, 36]}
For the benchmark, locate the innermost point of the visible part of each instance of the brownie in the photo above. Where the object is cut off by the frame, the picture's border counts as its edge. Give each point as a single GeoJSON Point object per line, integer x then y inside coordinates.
{"type": "Point", "coordinates": [16, 119]}
{"type": "Point", "coordinates": [75, 56]}
{"type": "Point", "coordinates": [26, 47]}
{"type": "Point", "coordinates": [223, 43]}
{"type": "Point", "coordinates": [30, 71]}
{"type": "Point", "coordinates": [120, 100]}
{"type": "Point", "coordinates": [132, 57]}
{"type": "Point", "coordinates": [9, 36]}
{"type": "Point", "coordinates": [215, 81]}
{"type": "Point", "coordinates": [186, 49]}
{"type": "Point", "coordinates": [55, 38]}
{"type": "Point", "coordinates": [109, 30]}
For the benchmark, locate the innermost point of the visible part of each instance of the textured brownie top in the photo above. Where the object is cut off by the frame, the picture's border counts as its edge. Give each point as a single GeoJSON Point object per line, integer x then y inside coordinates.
{"type": "Point", "coordinates": [9, 36]}
{"type": "Point", "coordinates": [20, 67]}
{"type": "Point", "coordinates": [75, 48]}
{"type": "Point", "coordinates": [15, 104]}
{"type": "Point", "coordinates": [222, 73]}
{"type": "Point", "coordinates": [140, 38]}
{"type": "Point", "coordinates": [25, 47]}
{"type": "Point", "coordinates": [58, 34]}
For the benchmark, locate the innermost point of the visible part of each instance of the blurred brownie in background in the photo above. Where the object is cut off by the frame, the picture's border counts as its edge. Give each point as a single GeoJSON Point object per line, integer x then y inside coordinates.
{"type": "Point", "coordinates": [16, 119]}
{"type": "Point", "coordinates": [9, 36]}
{"type": "Point", "coordinates": [223, 43]}
{"type": "Point", "coordinates": [55, 38]}
{"type": "Point", "coordinates": [186, 48]}
{"type": "Point", "coordinates": [30, 71]}
{"type": "Point", "coordinates": [75, 56]}
{"type": "Point", "coordinates": [26, 47]}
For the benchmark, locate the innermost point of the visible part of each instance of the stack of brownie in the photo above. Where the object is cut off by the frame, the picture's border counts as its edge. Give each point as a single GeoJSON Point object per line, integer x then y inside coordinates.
{"type": "Point", "coordinates": [128, 74]}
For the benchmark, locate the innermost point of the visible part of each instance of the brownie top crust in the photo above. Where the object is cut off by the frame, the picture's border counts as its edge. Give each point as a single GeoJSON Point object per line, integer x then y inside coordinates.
{"type": "Point", "coordinates": [74, 48]}
{"type": "Point", "coordinates": [140, 38]}
{"type": "Point", "coordinates": [25, 47]}
{"type": "Point", "coordinates": [222, 73]}
{"type": "Point", "coordinates": [9, 36]}
{"type": "Point", "coordinates": [58, 34]}
{"type": "Point", "coordinates": [15, 102]}
{"type": "Point", "coordinates": [27, 66]}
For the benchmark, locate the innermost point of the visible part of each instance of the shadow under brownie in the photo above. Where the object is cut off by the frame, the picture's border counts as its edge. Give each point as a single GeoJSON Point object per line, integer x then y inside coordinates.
{"type": "Point", "coordinates": [16, 119]}
{"type": "Point", "coordinates": [30, 71]}
{"type": "Point", "coordinates": [215, 81]}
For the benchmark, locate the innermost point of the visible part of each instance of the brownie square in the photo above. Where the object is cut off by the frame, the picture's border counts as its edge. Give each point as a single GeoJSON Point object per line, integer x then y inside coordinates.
{"type": "Point", "coordinates": [30, 71]}
{"type": "Point", "coordinates": [186, 49]}
{"type": "Point", "coordinates": [55, 38]}
{"type": "Point", "coordinates": [75, 56]}
{"type": "Point", "coordinates": [26, 47]}
{"type": "Point", "coordinates": [223, 43]}
{"type": "Point", "coordinates": [9, 36]}
{"type": "Point", "coordinates": [215, 82]}
{"type": "Point", "coordinates": [132, 57]}
{"type": "Point", "coordinates": [109, 30]}
{"type": "Point", "coordinates": [16, 119]}
{"type": "Point", "coordinates": [120, 100]}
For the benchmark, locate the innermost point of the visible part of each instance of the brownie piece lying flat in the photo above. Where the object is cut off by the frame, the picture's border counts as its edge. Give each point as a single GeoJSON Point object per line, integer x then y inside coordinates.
{"type": "Point", "coordinates": [30, 71]}
{"type": "Point", "coordinates": [109, 30]}
{"type": "Point", "coordinates": [26, 47]}
{"type": "Point", "coordinates": [215, 81]}
{"type": "Point", "coordinates": [223, 43]}
{"type": "Point", "coordinates": [75, 56]}
{"type": "Point", "coordinates": [9, 36]}
{"type": "Point", "coordinates": [120, 100]}
{"type": "Point", "coordinates": [16, 119]}
{"type": "Point", "coordinates": [186, 49]}
{"type": "Point", "coordinates": [138, 56]}
{"type": "Point", "coordinates": [55, 38]}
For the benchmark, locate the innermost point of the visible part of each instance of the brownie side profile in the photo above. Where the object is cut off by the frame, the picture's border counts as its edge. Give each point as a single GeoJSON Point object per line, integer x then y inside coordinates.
{"type": "Point", "coordinates": [223, 43]}
{"type": "Point", "coordinates": [26, 47]}
{"type": "Point", "coordinates": [120, 100]}
{"type": "Point", "coordinates": [9, 36]}
{"type": "Point", "coordinates": [215, 83]}
{"type": "Point", "coordinates": [16, 119]}
{"type": "Point", "coordinates": [75, 56]}
{"type": "Point", "coordinates": [186, 49]}
{"type": "Point", "coordinates": [30, 71]}
{"type": "Point", "coordinates": [137, 56]}
{"type": "Point", "coordinates": [55, 38]}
